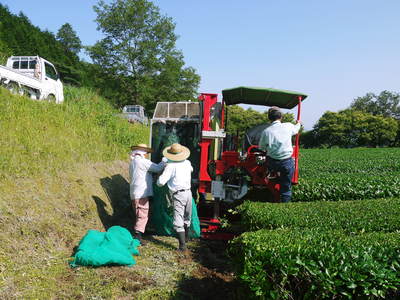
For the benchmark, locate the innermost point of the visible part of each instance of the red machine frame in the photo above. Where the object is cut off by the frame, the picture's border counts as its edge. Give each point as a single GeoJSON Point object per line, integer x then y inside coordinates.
{"type": "Point", "coordinates": [229, 159]}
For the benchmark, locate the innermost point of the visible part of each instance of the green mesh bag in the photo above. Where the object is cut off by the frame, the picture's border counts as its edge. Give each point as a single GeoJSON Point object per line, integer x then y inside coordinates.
{"type": "Point", "coordinates": [162, 214]}
{"type": "Point", "coordinates": [114, 247]}
{"type": "Point", "coordinates": [165, 134]}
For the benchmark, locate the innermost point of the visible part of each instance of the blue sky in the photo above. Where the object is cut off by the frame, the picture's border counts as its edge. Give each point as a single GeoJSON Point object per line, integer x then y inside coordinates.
{"type": "Point", "coordinates": [334, 51]}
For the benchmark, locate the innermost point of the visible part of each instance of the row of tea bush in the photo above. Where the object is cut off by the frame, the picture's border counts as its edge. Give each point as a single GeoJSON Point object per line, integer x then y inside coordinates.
{"type": "Point", "coordinates": [343, 174]}
{"type": "Point", "coordinates": [315, 264]}
{"type": "Point", "coordinates": [320, 250]}
{"type": "Point", "coordinates": [350, 216]}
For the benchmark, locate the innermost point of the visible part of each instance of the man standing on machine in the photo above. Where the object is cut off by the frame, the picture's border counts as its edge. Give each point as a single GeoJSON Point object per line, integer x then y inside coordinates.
{"type": "Point", "coordinates": [177, 174]}
{"type": "Point", "coordinates": [276, 140]}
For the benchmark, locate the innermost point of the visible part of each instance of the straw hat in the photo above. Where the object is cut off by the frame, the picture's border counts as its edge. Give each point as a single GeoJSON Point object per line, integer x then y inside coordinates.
{"type": "Point", "coordinates": [176, 152]}
{"type": "Point", "coordinates": [142, 147]}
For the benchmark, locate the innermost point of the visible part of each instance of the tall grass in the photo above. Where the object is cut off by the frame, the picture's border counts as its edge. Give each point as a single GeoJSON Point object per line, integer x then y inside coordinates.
{"type": "Point", "coordinates": [38, 136]}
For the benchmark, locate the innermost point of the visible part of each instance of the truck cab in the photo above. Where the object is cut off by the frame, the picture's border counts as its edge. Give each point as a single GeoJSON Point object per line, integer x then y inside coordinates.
{"type": "Point", "coordinates": [33, 76]}
{"type": "Point", "coordinates": [134, 113]}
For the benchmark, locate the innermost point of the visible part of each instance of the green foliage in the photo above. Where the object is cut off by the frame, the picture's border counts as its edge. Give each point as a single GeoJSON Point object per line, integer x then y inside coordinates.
{"type": "Point", "coordinates": [315, 264]}
{"type": "Point", "coordinates": [240, 119]}
{"type": "Point", "coordinates": [42, 137]}
{"type": "Point", "coordinates": [385, 104]}
{"type": "Point", "coordinates": [349, 216]}
{"type": "Point", "coordinates": [138, 55]}
{"type": "Point", "coordinates": [5, 52]}
{"type": "Point", "coordinates": [323, 249]}
{"type": "Point", "coordinates": [344, 174]}
{"type": "Point", "coordinates": [371, 120]}
{"type": "Point", "coordinates": [350, 128]}
{"type": "Point", "coordinates": [67, 36]}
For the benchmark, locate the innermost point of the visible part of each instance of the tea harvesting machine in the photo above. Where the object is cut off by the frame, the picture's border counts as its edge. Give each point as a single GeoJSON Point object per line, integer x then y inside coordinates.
{"type": "Point", "coordinates": [222, 175]}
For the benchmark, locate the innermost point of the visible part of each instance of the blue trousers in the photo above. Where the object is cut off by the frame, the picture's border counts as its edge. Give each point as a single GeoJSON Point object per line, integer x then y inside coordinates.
{"type": "Point", "coordinates": [286, 169]}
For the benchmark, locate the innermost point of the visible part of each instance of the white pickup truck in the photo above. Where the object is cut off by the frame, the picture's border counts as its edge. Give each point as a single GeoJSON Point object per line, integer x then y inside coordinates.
{"type": "Point", "coordinates": [32, 76]}
{"type": "Point", "coordinates": [134, 114]}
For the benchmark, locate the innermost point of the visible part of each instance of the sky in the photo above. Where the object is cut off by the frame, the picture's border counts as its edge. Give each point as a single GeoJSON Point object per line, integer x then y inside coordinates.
{"type": "Point", "coordinates": [333, 51]}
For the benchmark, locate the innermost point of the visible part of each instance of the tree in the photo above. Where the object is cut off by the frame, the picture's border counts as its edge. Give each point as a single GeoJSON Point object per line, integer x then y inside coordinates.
{"type": "Point", "coordinates": [138, 54]}
{"type": "Point", "coordinates": [240, 120]}
{"type": "Point", "coordinates": [350, 128]}
{"type": "Point", "coordinates": [386, 104]}
{"type": "Point", "coordinates": [68, 37]}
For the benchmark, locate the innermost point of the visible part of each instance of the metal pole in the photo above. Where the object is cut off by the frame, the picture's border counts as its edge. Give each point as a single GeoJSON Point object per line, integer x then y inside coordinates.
{"type": "Point", "coordinates": [296, 154]}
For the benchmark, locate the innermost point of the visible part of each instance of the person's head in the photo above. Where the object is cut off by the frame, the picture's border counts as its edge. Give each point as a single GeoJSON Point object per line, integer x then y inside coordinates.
{"type": "Point", "coordinates": [140, 149]}
{"type": "Point", "coordinates": [176, 152]}
{"type": "Point", "coordinates": [274, 114]}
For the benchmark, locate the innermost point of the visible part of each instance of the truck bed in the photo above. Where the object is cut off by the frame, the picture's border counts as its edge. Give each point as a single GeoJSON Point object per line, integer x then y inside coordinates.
{"type": "Point", "coordinates": [22, 79]}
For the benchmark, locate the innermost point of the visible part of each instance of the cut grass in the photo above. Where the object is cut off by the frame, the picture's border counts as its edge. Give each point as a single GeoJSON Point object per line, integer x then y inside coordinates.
{"type": "Point", "coordinates": [43, 222]}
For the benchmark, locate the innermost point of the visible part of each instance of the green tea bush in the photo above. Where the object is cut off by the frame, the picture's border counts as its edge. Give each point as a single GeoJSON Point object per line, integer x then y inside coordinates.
{"type": "Point", "coordinates": [38, 136]}
{"type": "Point", "coordinates": [344, 174]}
{"type": "Point", "coordinates": [314, 264]}
{"type": "Point", "coordinates": [349, 216]}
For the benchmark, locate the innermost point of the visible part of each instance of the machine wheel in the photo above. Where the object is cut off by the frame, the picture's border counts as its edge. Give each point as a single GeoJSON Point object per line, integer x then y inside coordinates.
{"type": "Point", "coordinates": [14, 88]}
{"type": "Point", "coordinates": [51, 98]}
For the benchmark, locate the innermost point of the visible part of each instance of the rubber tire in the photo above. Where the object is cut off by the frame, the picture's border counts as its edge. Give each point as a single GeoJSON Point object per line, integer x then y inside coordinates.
{"type": "Point", "coordinates": [51, 98]}
{"type": "Point", "coordinates": [14, 88]}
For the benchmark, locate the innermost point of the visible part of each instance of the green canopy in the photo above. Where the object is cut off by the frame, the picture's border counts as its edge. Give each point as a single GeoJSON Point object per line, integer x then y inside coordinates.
{"type": "Point", "coordinates": [262, 96]}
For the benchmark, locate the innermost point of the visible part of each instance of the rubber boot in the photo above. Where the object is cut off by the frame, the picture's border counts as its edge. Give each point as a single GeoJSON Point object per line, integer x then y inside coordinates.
{"type": "Point", "coordinates": [138, 236]}
{"type": "Point", "coordinates": [181, 239]}
{"type": "Point", "coordinates": [186, 234]}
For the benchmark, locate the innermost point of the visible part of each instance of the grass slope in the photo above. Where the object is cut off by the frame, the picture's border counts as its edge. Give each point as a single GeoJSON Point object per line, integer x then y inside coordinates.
{"type": "Point", "coordinates": [38, 137]}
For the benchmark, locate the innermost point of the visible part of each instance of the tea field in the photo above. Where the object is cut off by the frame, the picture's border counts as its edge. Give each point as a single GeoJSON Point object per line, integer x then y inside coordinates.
{"type": "Point", "coordinates": [338, 239]}
{"type": "Point", "coordinates": [344, 174]}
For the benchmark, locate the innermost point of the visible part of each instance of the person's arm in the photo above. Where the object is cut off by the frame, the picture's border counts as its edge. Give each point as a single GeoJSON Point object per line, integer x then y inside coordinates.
{"type": "Point", "coordinates": [296, 128]}
{"type": "Point", "coordinates": [153, 167]}
{"type": "Point", "coordinates": [165, 176]}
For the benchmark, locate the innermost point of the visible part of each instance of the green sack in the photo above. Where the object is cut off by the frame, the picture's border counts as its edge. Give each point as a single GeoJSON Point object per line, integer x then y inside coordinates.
{"type": "Point", "coordinates": [164, 134]}
{"type": "Point", "coordinates": [162, 214]}
{"type": "Point", "coordinates": [114, 247]}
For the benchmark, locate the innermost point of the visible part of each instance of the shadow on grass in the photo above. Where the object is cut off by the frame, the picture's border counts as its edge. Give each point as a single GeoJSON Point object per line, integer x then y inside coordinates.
{"type": "Point", "coordinates": [153, 239]}
{"type": "Point", "coordinates": [116, 189]}
{"type": "Point", "coordinates": [214, 278]}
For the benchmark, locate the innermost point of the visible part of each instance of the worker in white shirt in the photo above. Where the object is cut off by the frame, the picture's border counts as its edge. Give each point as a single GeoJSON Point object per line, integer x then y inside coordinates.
{"type": "Point", "coordinates": [276, 140]}
{"type": "Point", "coordinates": [177, 175]}
{"type": "Point", "coordinates": [141, 185]}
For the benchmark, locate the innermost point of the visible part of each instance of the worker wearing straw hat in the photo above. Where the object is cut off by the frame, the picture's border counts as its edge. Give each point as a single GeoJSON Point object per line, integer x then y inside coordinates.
{"type": "Point", "coordinates": [141, 185]}
{"type": "Point", "coordinates": [177, 175]}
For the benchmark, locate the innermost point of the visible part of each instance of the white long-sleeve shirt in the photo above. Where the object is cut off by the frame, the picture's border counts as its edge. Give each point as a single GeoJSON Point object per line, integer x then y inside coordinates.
{"type": "Point", "coordinates": [277, 139]}
{"type": "Point", "coordinates": [177, 175]}
{"type": "Point", "coordinates": [141, 181]}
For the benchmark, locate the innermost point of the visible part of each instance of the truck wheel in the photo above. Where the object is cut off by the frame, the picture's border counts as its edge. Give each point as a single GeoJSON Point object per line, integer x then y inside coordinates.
{"type": "Point", "coordinates": [14, 88]}
{"type": "Point", "coordinates": [51, 98]}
